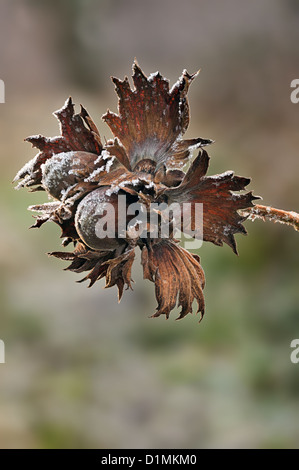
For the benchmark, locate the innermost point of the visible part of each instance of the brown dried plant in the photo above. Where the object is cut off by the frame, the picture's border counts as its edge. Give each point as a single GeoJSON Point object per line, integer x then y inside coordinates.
{"type": "Point", "coordinates": [144, 162]}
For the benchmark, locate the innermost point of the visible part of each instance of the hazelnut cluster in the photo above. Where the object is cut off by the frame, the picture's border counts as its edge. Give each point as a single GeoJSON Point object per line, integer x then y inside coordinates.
{"type": "Point", "coordinates": [144, 164]}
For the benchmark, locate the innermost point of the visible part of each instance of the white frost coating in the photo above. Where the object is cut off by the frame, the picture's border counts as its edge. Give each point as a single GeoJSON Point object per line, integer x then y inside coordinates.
{"type": "Point", "coordinates": [49, 206]}
{"type": "Point", "coordinates": [176, 85]}
{"type": "Point", "coordinates": [94, 174]}
{"type": "Point", "coordinates": [74, 171]}
{"type": "Point", "coordinates": [195, 146]}
{"type": "Point", "coordinates": [64, 192]}
{"type": "Point", "coordinates": [35, 136]}
{"type": "Point", "coordinates": [112, 190]}
{"type": "Point", "coordinates": [62, 111]}
{"type": "Point", "coordinates": [109, 164]}
{"type": "Point", "coordinates": [56, 169]}
{"type": "Point", "coordinates": [101, 207]}
{"type": "Point", "coordinates": [152, 77]}
{"type": "Point", "coordinates": [104, 168]}
{"type": "Point", "coordinates": [221, 175]}
{"type": "Point", "coordinates": [89, 208]}
{"type": "Point", "coordinates": [26, 169]}
{"type": "Point", "coordinates": [123, 184]}
{"type": "Point", "coordinates": [75, 197]}
{"type": "Point", "coordinates": [234, 196]}
{"type": "Point", "coordinates": [150, 185]}
{"type": "Point", "coordinates": [98, 159]}
{"type": "Point", "coordinates": [105, 154]}
{"type": "Point", "coordinates": [65, 104]}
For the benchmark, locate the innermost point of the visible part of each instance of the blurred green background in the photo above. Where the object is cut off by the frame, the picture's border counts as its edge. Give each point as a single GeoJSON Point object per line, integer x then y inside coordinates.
{"type": "Point", "coordinates": [83, 371]}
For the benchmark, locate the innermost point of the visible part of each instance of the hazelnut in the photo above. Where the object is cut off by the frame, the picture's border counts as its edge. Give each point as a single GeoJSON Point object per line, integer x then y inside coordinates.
{"type": "Point", "coordinates": [96, 220]}
{"type": "Point", "coordinates": [64, 170]}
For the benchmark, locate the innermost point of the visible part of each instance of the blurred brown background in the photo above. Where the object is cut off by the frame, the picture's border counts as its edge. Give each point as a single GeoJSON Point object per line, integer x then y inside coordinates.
{"type": "Point", "coordinates": [83, 371]}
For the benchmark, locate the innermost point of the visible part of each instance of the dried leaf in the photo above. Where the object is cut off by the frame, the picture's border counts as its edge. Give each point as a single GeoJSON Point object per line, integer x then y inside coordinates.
{"type": "Point", "coordinates": [116, 268]}
{"type": "Point", "coordinates": [74, 136]}
{"type": "Point", "coordinates": [60, 214]}
{"type": "Point", "coordinates": [178, 277]}
{"type": "Point", "coordinates": [221, 200]}
{"type": "Point", "coordinates": [152, 119]}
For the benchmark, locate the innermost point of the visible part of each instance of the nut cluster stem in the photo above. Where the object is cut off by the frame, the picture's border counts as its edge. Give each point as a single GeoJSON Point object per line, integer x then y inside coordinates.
{"type": "Point", "coordinates": [272, 214]}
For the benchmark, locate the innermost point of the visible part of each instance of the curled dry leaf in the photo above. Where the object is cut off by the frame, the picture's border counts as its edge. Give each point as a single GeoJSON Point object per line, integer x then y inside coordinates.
{"type": "Point", "coordinates": [178, 277]}
{"type": "Point", "coordinates": [94, 185]}
{"type": "Point", "coordinates": [220, 198]}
